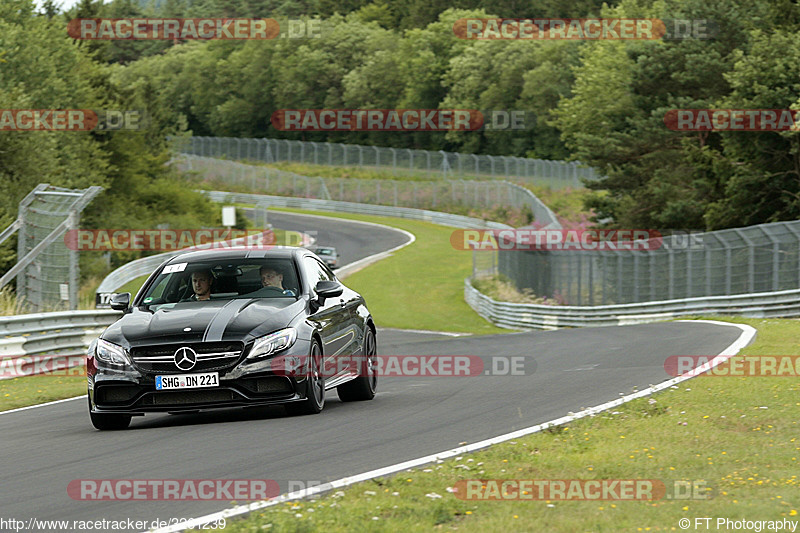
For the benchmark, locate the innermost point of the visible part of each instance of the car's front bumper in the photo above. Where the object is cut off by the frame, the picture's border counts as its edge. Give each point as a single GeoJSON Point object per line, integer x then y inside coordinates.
{"type": "Point", "coordinates": [129, 390]}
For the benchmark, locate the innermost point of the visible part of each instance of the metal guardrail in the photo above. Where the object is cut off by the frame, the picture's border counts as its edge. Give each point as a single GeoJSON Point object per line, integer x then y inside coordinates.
{"type": "Point", "coordinates": [436, 217]}
{"type": "Point", "coordinates": [535, 316]}
{"type": "Point", "coordinates": [30, 343]}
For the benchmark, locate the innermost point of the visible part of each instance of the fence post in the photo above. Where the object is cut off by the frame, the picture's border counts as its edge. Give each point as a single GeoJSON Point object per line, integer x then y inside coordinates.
{"type": "Point", "coordinates": [751, 260]}
{"type": "Point", "coordinates": [689, 277]}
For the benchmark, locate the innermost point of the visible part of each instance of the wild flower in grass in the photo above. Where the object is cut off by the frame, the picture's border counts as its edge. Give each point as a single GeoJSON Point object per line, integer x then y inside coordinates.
{"type": "Point", "coordinates": [433, 496]}
{"type": "Point", "coordinates": [369, 492]}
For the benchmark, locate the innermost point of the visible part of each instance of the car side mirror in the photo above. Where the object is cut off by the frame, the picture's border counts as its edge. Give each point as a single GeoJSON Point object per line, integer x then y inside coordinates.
{"type": "Point", "coordinates": [121, 301]}
{"type": "Point", "coordinates": [328, 289]}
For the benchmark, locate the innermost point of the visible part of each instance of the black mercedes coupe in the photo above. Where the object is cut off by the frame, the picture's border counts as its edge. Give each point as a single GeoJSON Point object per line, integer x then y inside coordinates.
{"type": "Point", "coordinates": [233, 327]}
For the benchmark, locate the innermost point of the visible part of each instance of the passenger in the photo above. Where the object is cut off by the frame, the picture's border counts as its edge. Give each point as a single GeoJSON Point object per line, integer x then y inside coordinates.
{"type": "Point", "coordinates": [271, 277]}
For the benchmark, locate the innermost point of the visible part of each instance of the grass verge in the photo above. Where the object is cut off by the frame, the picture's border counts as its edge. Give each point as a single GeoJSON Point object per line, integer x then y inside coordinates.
{"type": "Point", "coordinates": [33, 390]}
{"type": "Point", "coordinates": [422, 285]}
{"type": "Point", "coordinates": [738, 435]}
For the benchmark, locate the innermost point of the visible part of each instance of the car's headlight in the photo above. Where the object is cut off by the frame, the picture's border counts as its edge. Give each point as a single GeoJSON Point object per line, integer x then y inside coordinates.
{"type": "Point", "coordinates": [273, 343]}
{"type": "Point", "coordinates": [111, 353]}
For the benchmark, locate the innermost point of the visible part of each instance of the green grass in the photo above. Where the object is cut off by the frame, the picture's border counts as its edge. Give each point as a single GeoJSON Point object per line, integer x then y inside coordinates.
{"type": "Point", "coordinates": [363, 173]}
{"type": "Point", "coordinates": [32, 390]}
{"type": "Point", "coordinates": [738, 435]}
{"type": "Point", "coordinates": [420, 286]}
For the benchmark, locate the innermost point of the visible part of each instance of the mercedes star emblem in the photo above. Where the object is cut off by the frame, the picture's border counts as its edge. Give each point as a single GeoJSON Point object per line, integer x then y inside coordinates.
{"type": "Point", "coordinates": [185, 358]}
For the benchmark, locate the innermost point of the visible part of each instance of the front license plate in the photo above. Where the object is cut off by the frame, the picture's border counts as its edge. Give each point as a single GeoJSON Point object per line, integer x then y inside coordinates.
{"type": "Point", "coordinates": [187, 381]}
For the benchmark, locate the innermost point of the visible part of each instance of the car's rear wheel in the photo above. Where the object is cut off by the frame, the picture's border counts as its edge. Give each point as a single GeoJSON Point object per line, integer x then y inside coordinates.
{"type": "Point", "coordinates": [109, 421]}
{"type": "Point", "coordinates": [364, 386]}
{"type": "Point", "coordinates": [315, 386]}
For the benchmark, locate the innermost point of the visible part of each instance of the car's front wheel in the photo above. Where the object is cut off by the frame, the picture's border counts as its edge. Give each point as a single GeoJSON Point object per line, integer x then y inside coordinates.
{"type": "Point", "coordinates": [109, 421]}
{"type": "Point", "coordinates": [315, 386]}
{"type": "Point", "coordinates": [364, 386]}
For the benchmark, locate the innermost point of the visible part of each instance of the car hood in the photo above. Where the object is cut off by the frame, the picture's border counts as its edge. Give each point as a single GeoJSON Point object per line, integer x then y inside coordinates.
{"type": "Point", "coordinates": [220, 320]}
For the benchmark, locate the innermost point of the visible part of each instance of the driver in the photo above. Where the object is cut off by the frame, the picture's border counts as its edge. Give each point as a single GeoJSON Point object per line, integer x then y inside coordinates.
{"type": "Point", "coordinates": [201, 284]}
{"type": "Point", "coordinates": [272, 278]}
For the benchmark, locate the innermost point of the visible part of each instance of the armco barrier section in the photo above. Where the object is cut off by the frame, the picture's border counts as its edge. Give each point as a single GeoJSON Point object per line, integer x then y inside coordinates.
{"type": "Point", "coordinates": [536, 316]}
{"type": "Point", "coordinates": [63, 335]}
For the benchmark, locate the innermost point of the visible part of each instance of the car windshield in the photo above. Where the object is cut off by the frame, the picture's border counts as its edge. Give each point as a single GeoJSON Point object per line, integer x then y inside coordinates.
{"type": "Point", "coordinates": [183, 282]}
{"type": "Point", "coordinates": [325, 251]}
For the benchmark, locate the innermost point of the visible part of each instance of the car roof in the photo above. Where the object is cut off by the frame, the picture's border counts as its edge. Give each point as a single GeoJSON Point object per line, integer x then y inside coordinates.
{"type": "Point", "coordinates": [222, 254]}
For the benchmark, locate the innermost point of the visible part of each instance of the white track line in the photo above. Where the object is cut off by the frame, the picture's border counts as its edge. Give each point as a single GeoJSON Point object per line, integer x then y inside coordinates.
{"type": "Point", "coordinates": [429, 332]}
{"type": "Point", "coordinates": [747, 335]}
{"type": "Point", "coordinates": [41, 405]}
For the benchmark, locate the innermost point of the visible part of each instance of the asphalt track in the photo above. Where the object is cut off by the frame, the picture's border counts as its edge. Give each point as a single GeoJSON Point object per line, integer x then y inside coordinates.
{"type": "Point", "coordinates": [353, 241]}
{"type": "Point", "coordinates": [47, 447]}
